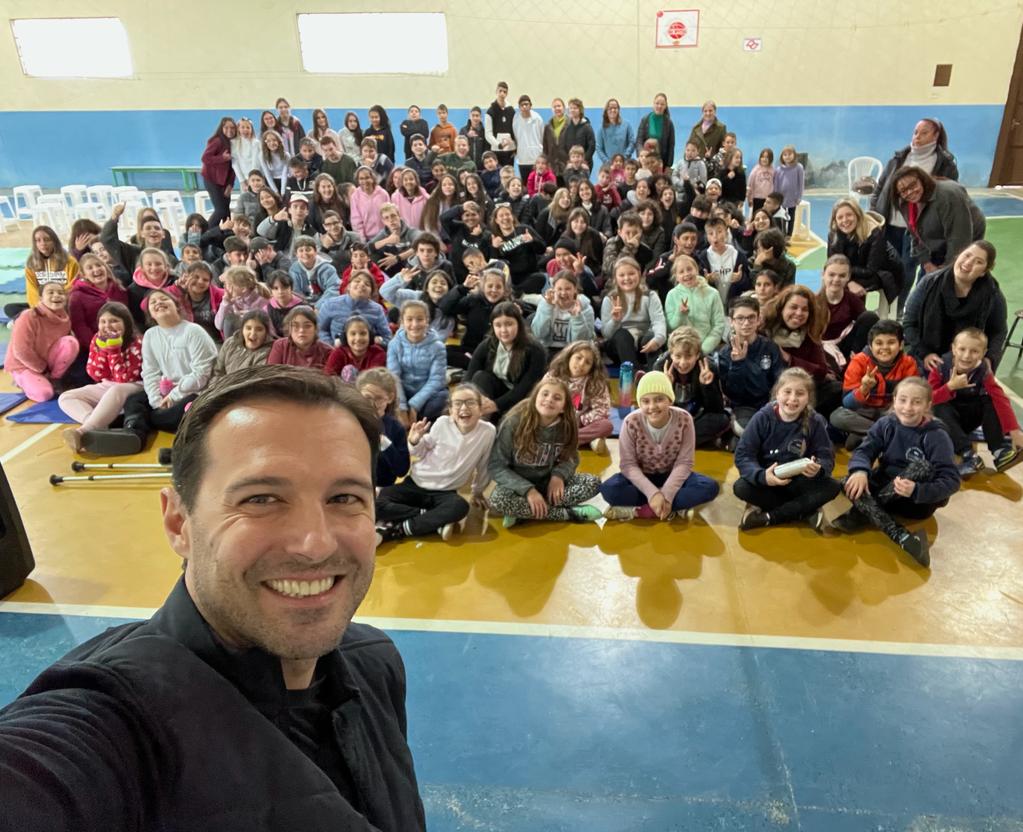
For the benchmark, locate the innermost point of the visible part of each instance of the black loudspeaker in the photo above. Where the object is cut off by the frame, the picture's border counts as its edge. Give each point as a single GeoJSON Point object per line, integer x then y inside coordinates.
{"type": "Point", "coordinates": [16, 561]}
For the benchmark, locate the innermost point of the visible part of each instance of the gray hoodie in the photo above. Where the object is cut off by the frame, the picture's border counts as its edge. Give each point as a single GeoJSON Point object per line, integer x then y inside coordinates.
{"type": "Point", "coordinates": [511, 468]}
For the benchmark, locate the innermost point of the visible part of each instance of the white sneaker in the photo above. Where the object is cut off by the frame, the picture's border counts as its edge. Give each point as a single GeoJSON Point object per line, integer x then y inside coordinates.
{"type": "Point", "coordinates": [598, 445]}
{"type": "Point", "coordinates": [448, 531]}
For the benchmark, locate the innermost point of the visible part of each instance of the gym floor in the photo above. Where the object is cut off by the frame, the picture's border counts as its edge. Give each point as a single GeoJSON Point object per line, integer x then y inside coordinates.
{"type": "Point", "coordinates": [641, 676]}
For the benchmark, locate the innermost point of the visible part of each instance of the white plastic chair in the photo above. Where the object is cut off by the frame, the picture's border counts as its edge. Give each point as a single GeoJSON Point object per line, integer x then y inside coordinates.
{"type": "Point", "coordinates": [57, 206]}
{"type": "Point", "coordinates": [51, 214]}
{"type": "Point", "coordinates": [102, 196]}
{"type": "Point", "coordinates": [129, 193]}
{"type": "Point", "coordinates": [87, 211]}
{"type": "Point", "coordinates": [801, 222]}
{"type": "Point", "coordinates": [27, 196]}
{"type": "Point", "coordinates": [172, 220]}
{"type": "Point", "coordinates": [167, 197]}
{"type": "Point", "coordinates": [858, 168]}
{"type": "Point", "coordinates": [203, 203]}
{"type": "Point", "coordinates": [7, 210]}
{"type": "Point", "coordinates": [75, 194]}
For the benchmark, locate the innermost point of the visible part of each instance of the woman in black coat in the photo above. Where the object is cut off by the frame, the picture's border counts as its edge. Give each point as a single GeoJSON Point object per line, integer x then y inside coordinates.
{"type": "Point", "coordinates": [953, 298]}
{"type": "Point", "coordinates": [876, 266]}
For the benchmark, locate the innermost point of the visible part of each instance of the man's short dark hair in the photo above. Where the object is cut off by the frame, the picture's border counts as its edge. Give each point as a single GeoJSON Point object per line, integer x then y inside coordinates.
{"type": "Point", "coordinates": [297, 162]}
{"type": "Point", "coordinates": [282, 383]}
{"type": "Point", "coordinates": [777, 196]}
{"type": "Point", "coordinates": [428, 239]}
{"type": "Point", "coordinates": [684, 228]}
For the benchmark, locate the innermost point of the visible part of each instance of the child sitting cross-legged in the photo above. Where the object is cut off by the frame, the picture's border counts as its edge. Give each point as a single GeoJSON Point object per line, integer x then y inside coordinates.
{"type": "Point", "coordinates": [916, 472]}
{"type": "Point", "coordinates": [449, 455]}
{"type": "Point", "coordinates": [356, 352]}
{"type": "Point", "coordinates": [967, 396]}
{"type": "Point", "coordinates": [656, 444]}
{"type": "Point", "coordinates": [785, 430]}
{"type": "Point", "coordinates": [579, 366]}
{"type": "Point", "coordinates": [870, 380]}
{"type": "Point", "coordinates": [417, 358]}
{"type": "Point", "coordinates": [358, 299]}
{"type": "Point", "coordinates": [534, 461]}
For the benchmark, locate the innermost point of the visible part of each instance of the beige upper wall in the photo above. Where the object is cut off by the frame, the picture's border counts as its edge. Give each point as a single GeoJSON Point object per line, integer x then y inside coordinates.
{"type": "Point", "coordinates": [193, 54]}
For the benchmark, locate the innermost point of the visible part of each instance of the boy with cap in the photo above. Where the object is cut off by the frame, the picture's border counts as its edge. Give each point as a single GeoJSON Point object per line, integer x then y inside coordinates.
{"type": "Point", "coordinates": [657, 449]}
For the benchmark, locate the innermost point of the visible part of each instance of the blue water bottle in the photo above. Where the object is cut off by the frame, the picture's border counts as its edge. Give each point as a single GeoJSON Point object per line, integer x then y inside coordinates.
{"type": "Point", "coordinates": [625, 384]}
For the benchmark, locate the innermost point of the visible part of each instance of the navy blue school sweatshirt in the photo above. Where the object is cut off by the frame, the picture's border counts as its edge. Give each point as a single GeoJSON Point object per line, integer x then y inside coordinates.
{"type": "Point", "coordinates": [748, 382]}
{"type": "Point", "coordinates": [895, 445]}
{"type": "Point", "coordinates": [768, 439]}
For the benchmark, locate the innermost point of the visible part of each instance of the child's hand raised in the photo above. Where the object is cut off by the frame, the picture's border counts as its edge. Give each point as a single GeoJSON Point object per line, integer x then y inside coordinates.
{"type": "Point", "coordinates": [869, 380]}
{"type": "Point", "coordinates": [616, 309]}
{"type": "Point", "coordinates": [417, 430]}
{"type": "Point", "coordinates": [959, 381]}
{"type": "Point", "coordinates": [683, 307]}
{"type": "Point", "coordinates": [549, 296]}
{"type": "Point", "coordinates": [739, 348]}
{"type": "Point", "coordinates": [471, 281]}
{"type": "Point", "coordinates": [706, 373]}
{"type": "Point", "coordinates": [736, 275]}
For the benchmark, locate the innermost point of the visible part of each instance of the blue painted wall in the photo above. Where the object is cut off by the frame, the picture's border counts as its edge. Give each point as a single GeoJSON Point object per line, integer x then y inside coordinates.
{"type": "Point", "coordinates": [58, 148]}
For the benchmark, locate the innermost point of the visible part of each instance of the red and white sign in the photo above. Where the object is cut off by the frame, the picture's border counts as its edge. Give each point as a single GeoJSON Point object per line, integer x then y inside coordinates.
{"type": "Point", "coordinates": [677, 28]}
{"type": "Point", "coordinates": [752, 44]}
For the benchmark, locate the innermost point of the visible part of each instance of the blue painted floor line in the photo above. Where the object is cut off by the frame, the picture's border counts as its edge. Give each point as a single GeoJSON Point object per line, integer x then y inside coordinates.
{"type": "Point", "coordinates": [526, 733]}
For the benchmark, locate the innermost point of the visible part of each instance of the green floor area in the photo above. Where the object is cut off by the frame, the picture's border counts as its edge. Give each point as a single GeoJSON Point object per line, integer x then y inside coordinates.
{"type": "Point", "coordinates": [1006, 233]}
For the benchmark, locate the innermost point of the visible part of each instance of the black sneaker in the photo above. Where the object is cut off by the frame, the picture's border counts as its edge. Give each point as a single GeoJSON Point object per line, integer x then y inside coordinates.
{"type": "Point", "coordinates": [970, 465]}
{"type": "Point", "coordinates": [917, 547]}
{"type": "Point", "coordinates": [1005, 458]}
{"type": "Point", "coordinates": [386, 532]}
{"type": "Point", "coordinates": [753, 518]}
{"type": "Point", "coordinates": [816, 521]}
{"type": "Point", "coordinates": [852, 521]}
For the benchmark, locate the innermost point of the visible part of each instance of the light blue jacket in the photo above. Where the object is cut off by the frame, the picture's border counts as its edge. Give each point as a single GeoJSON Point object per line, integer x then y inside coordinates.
{"type": "Point", "coordinates": [615, 138]}
{"type": "Point", "coordinates": [419, 367]}
{"type": "Point", "coordinates": [323, 274]}
{"type": "Point", "coordinates": [395, 293]}
{"type": "Point", "coordinates": [580, 327]}
{"type": "Point", "coordinates": [334, 313]}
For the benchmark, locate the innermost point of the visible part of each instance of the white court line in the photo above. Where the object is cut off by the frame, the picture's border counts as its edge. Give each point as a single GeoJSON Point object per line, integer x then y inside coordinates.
{"type": "Point", "coordinates": [28, 443]}
{"type": "Point", "coordinates": [831, 645]}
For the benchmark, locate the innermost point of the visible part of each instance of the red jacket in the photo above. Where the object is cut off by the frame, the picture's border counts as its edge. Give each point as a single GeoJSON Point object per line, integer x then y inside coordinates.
{"type": "Point", "coordinates": [216, 166]}
{"type": "Point", "coordinates": [881, 395]}
{"type": "Point", "coordinates": [84, 304]}
{"type": "Point", "coordinates": [341, 357]}
{"type": "Point", "coordinates": [284, 351]}
{"type": "Point", "coordinates": [216, 296]}
{"type": "Point", "coordinates": [372, 268]}
{"type": "Point", "coordinates": [121, 365]}
{"type": "Point", "coordinates": [938, 380]}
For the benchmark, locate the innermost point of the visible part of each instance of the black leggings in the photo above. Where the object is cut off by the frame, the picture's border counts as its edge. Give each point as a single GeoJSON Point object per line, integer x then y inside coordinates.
{"type": "Point", "coordinates": [856, 340]}
{"type": "Point", "coordinates": [221, 202]}
{"type": "Point", "coordinates": [785, 503]}
{"type": "Point", "coordinates": [622, 347]}
{"type": "Point", "coordinates": [142, 420]}
{"type": "Point", "coordinates": [425, 511]}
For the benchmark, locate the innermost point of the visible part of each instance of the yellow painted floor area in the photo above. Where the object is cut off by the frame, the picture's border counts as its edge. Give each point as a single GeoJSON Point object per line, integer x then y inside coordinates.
{"type": "Point", "coordinates": [103, 545]}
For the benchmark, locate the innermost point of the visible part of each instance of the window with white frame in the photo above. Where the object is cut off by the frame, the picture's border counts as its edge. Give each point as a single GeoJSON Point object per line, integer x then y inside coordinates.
{"type": "Point", "coordinates": [73, 47]}
{"type": "Point", "coordinates": [374, 44]}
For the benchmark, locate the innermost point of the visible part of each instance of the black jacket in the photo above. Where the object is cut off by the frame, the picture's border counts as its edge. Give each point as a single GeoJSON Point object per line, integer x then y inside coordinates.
{"type": "Point", "coordinates": [579, 134]}
{"type": "Point", "coordinates": [156, 725]}
{"type": "Point", "coordinates": [666, 143]}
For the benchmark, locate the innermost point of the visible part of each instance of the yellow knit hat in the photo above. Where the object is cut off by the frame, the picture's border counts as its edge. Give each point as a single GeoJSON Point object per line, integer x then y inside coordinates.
{"type": "Point", "coordinates": [655, 382]}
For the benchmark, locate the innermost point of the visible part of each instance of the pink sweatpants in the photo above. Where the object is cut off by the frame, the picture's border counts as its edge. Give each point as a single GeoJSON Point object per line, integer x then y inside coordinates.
{"type": "Point", "coordinates": [96, 405]}
{"type": "Point", "coordinates": [61, 356]}
{"type": "Point", "coordinates": [595, 430]}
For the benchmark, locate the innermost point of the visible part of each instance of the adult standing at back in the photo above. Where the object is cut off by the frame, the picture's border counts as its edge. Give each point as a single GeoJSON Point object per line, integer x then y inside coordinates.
{"type": "Point", "coordinates": [658, 125]}
{"type": "Point", "coordinates": [928, 151]}
{"type": "Point", "coordinates": [615, 135]}
{"type": "Point", "coordinates": [528, 129]}
{"type": "Point", "coordinates": [498, 126]}
{"type": "Point", "coordinates": [708, 133]}
{"type": "Point", "coordinates": [556, 157]}
{"type": "Point", "coordinates": [217, 172]}
{"type": "Point", "coordinates": [578, 132]}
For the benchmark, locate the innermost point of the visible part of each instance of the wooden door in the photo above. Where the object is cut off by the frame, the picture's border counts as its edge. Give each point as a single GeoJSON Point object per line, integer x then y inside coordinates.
{"type": "Point", "coordinates": [1008, 165]}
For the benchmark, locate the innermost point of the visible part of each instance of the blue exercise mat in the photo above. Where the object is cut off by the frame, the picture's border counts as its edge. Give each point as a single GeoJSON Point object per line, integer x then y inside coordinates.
{"type": "Point", "coordinates": [8, 401]}
{"type": "Point", "coordinates": [44, 413]}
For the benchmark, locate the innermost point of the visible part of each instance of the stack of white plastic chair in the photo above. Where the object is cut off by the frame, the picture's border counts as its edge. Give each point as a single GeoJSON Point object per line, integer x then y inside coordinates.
{"type": "Point", "coordinates": [170, 207]}
{"type": "Point", "coordinates": [129, 193]}
{"type": "Point", "coordinates": [75, 195]}
{"type": "Point", "coordinates": [861, 169]}
{"type": "Point", "coordinates": [87, 211]}
{"type": "Point", "coordinates": [203, 203]}
{"type": "Point", "coordinates": [128, 224]}
{"type": "Point", "coordinates": [102, 196]}
{"type": "Point", "coordinates": [56, 207]}
{"type": "Point", "coordinates": [25, 197]}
